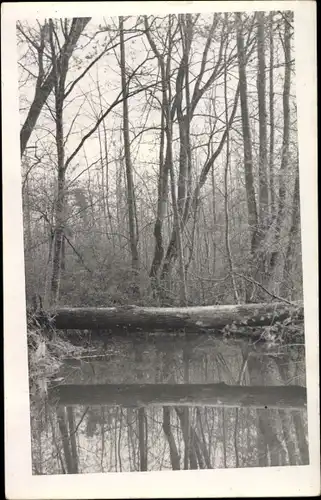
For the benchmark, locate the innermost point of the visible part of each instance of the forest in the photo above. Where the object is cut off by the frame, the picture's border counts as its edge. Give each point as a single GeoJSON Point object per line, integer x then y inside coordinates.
{"type": "Point", "coordinates": [160, 191]}
{"type": "Point", "coordinates": [160, 160]}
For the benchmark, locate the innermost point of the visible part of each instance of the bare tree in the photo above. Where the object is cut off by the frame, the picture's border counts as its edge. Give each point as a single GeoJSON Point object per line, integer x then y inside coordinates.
{"type": "Point", "coordinates": [261, 90]}
{"type": "Point", "coordinates": [129, 170]}
{"type": "Point", "coordinates": [247, 140]}
{"type": "Point", "coordinates": [226, 171]}
{"type": "Point", "coordinates": [60, 69]}
{"type": "Point", "coordinates": [271, 118]}
{"type": "Point", "coordinates": [285, 140]}
{"type": "Point", "coordinates": [46, 75]}
{"type": "Point", "coordinates": [170, 205]}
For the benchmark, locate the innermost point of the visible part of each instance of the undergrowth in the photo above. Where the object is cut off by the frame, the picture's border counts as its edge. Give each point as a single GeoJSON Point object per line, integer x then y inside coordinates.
{"type": "Point", "coordinates": [46, 351]}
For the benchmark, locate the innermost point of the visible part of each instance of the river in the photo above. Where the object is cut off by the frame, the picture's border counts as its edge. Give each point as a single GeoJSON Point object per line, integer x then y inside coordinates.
{"type": "Point", "coordinates": [164, 403]}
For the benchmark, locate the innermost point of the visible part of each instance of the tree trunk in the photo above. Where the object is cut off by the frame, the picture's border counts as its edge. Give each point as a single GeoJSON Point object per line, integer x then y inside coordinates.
{"type": "Point", "coordinates": [261, 91]}
{"type": "Point", "coordinates": [287, 286]}
{"type": "Point", "coordinates": [72, 437]}
{"type": "Point", "coordinates": [58, 239]}
{"type": "Point", "coordinates": [162, 195]}
{"type": "Point", "coordinates": [193, 319]}
{"type": "Point", "coordinates": [31, 287]}
{"type": "Point", "coordinates": [301, 438]}
{"type": "Point", "coordinates": [247, 141]}
{"type": "Point", "coordinates": [226, 207]}
{"type": "Point", "coordinates": [60, 72]}
{"type": "Point", "coordinates": [128, 163]}
{"type": "Point", "coordinates": [142, 439]}
{"type": "Point", "coordinates": [271, 109]}
{"type": "Point", "coordinates": [177, 206]}
{"type": "Point", "coordinates": [175, 459]}
{"type": "Point", "coordinates": [285, 144]}
{"type": "Point", "coordinates": [214, 395]}
{"type": "Point", "coordinates": [213, 213]}
{"type": "Point", "coordinates": [142, 419]}
{"type": "Point", "coordinates": [167, 167]}
{"type": "Point", "coordinates": [289, 443]}
{"type": "Point", "coordinates": [63, 428]}
{"type": "Point", "coordinates": [182, 83]}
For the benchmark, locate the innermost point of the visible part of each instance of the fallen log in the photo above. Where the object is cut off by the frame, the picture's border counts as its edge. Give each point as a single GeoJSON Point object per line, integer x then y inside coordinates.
{"type": "Point", "coordinates": [193, 319]}
{"type": "Point", "coordinates": [214, 395]}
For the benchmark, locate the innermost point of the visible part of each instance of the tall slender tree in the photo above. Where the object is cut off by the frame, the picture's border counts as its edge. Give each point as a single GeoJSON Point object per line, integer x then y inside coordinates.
{"type": "Point", "coordinates": [133, 231]}
{"type": "Point", "coordinates": [247, 139]}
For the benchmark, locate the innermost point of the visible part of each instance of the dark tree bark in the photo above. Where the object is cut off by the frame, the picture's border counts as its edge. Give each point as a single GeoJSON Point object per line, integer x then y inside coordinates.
{"type": "Point", "coordinates": [215, 395]}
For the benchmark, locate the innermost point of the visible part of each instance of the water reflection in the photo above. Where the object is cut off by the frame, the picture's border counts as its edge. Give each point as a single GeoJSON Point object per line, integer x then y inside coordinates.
{"type": "Point", "coordinates": [162, 404]}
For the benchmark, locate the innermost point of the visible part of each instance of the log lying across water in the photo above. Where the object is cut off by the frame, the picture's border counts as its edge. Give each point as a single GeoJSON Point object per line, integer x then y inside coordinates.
{"type": "Point", "coordinates": [214, 395]}
{"type": "Point", "coordinates": [193, 319]}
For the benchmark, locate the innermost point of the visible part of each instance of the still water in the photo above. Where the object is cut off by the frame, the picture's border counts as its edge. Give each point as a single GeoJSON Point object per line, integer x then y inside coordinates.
{"type": "Point", "coordinates": [162, 404]}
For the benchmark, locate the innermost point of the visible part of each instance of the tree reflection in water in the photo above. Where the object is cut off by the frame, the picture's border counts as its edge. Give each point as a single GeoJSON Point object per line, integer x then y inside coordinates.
{"type": "Point", "coordinates": [150, 408]}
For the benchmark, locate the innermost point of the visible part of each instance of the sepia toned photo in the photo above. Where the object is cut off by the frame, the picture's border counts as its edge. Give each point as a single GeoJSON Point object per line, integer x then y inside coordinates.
{"type": "Point", "coordinates": [160, 178]}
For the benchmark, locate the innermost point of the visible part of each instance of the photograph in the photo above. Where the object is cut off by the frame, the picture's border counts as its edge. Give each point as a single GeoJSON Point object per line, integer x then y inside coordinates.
{"type": "Point", "coordinates": [161, 240]}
